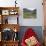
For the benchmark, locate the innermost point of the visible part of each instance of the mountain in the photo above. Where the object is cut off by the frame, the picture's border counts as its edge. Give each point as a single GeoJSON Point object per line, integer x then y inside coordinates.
{"type": "Point", "coordinates": [27, 10]}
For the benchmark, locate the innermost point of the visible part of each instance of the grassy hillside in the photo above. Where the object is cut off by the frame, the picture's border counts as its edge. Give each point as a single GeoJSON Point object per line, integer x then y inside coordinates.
{"type": "Point", "coordinates": [29, 13]}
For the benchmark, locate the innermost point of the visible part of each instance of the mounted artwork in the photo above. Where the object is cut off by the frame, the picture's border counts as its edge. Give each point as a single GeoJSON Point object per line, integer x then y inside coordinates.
{"type": "Point", "coordinates": [29, 13]}
{"type": "Point", "coordinates": [9, 34]}
{"type": "Point", "coordinates": [5, 12]}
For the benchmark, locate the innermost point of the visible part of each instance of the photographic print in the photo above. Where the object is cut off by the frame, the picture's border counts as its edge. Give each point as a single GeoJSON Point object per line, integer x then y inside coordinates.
{"type": "Point", "coordinates": [5, 12]}
{"type": "Point", "coordinates": [29, 13]}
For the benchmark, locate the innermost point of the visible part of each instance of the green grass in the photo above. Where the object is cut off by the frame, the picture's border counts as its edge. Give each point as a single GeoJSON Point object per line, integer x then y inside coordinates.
{"type": "Point", "coordinates": [29, 14]}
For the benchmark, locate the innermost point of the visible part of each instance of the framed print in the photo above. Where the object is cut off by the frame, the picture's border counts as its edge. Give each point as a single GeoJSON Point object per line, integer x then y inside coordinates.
{"type": "Point", "coordinates": [12, 12]}
{"type": "Point", "coordinates": [29, 13]}
{"type": "Point", "coordinates": [5, 12]}
{"type": "Point", "coordinates": [6, 34]}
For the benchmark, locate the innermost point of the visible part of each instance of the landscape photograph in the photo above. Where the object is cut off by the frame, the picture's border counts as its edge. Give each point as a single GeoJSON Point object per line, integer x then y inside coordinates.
{"type": "Point", "coordinates": [29, 13]}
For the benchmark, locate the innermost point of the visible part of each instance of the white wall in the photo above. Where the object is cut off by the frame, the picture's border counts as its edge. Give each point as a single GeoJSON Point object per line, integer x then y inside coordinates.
{"type": "Point", "coordinates": [28, 4]}
{"type": "Point", "coordinates": [6, 3]}
{"type": "Point", "coordinates": [33, 4]}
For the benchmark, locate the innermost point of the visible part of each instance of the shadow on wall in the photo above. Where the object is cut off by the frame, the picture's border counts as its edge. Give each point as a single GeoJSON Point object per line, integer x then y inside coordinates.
{"type": "Point", "coordinates": [37, 29]}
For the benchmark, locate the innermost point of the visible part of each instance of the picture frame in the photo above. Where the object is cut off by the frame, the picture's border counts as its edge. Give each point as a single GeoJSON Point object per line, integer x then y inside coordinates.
{"type": "Point", "coordinates": [5, 12]}
{"type": "Point", "coordinates": [7, 34]}
{"type": "Point", "coordinates": [13, 12]}
{"type": "Point", "coordinates": [29, 13]}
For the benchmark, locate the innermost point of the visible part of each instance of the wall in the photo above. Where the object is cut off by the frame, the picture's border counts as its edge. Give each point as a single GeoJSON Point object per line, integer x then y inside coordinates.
{"type": "Point", "coordinates": [36, 29]}
{"type": "Point", "coordinates": [28, 4]}
{"type": "Point", "coordinates": [32, 4]}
